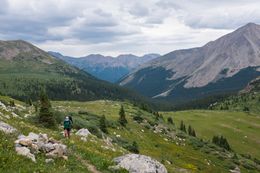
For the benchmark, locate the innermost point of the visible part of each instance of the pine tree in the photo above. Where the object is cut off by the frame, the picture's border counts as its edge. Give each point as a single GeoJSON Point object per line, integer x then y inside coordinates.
{"type": "Point", "coordinates": [193, 133]}
{"type": "Point", "coordinates": [103, 124]}
{"type": "Point", "coordinates": [46, 117]}
{"type": "Point", "coordinates": [183, 127]}
{"type": "Point", "coordinates": [190, 130]}
{"type": "Point", "coordinates": [170, 121]}
{"type": "Point", "coordinates": [122, 119]}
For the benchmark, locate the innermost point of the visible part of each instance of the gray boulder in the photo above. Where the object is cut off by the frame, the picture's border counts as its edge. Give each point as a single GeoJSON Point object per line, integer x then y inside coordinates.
{"type": "Point", "coordinates": [83, 133]}
{"type": "Point", "coordinates": [24, 151]}
{"type": "Point", "coordinates": [136, 163]}
{"type": "Point", "coordinates": [6, 128]}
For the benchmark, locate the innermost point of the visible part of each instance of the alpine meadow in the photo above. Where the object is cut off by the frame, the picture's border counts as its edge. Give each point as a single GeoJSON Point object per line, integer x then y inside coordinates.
{"type": "Point", "coordinates": [141, 87]}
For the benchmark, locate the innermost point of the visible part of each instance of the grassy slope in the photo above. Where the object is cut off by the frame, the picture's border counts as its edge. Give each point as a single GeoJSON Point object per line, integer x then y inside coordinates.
{"type": "Point", "coordinates": [150, 143]}
{"type": "Point", "coordinates": [241, 129]}
{"type": "Point", "coordinates": [153, 144]}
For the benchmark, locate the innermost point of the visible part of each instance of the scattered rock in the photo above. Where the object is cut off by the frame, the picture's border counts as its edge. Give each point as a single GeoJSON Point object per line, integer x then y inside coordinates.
{"type": "Point", "coordinates": [24, 151]}
{"type": "Point", "coordinates": [34, 144]}
{"type": "Point", "coordinates": [49, 160]}
{"type": "Point", "coordinates": [136, 163]}
{"type": "Point", "coordinates": [84, 133]}
{"type": "Point", "coordinates": [6, 128]}
{"type": "Point", "coordinates": [236, 170]}
{"type": "Point", "coordinates": [25, 142]}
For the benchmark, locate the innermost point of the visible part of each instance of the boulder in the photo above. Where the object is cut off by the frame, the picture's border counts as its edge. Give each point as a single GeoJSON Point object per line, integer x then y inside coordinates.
{"type": "Point", "coordinates": [47, 147]}
{"type": "Point", "coordinates": [83, 133]}
{"type": "Point", "coordinates": [34, 137]}
{"type": "Point", "coordinates": [25, 142]}
{"type": "Point", "coordinates": [59, 151]}
{"type": "Point", "coordinates": [24, 151]}
{"type": "Point", "coordinates": [43, 138]}
{"type": "Point", "coordinates": [49, 160]}
{"type": "Point", "coordinates": [6, 128]}
{"type": "Point", "coordinates": [136, 163]}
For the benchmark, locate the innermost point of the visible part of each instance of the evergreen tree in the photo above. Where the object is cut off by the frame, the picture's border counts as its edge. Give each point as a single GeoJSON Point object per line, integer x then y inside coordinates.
{"type": "Point", "coordinates": [170, 121]}
{"type": "Point", "coordinates": [189, 130]}
{"type": "Point", "coordinates": [246, 109]}
{"type": "Point", "coordinates": [134, 148]}
{"type": "Point", "coordinates": [183, 127]}
{"type": "Point", "coordinates": [122, 119]}
{"type": "Point", "coordinates": [11, 103]}
{"type": "Point", "coordinates": [221, 142]}
{"type": "Point", "coordinates": [46, 117]}
{"type": "Point", "coordinates": [103, 124]}
{"type": "Point", "coordinates": [193, 133]}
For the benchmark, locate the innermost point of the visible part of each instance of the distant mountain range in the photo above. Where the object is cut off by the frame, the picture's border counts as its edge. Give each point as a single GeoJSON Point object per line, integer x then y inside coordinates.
{"type": "Point", "coordinates": [221, 66]}
{"type": "Point", "coordinates": [25, 70]}
{"type": "Point", "coordinates": [106, 67]}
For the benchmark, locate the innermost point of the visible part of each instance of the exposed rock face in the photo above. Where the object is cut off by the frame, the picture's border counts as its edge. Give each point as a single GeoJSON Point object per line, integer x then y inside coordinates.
{"type": "Point", "coordinates": [199, 67]}
{"type": "Point", "coordinates": [34, 143]}
{"type": "Point", "coordinates": [136, 163]}
{"type": "Point", "coordinates": [84, 133]}
{"type": "Point", "coordinates": [6, 128]}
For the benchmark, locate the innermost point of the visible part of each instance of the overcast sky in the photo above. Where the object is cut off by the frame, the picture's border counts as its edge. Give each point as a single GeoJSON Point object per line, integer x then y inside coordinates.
{"type": "Point", "coordinates": [112, 27]}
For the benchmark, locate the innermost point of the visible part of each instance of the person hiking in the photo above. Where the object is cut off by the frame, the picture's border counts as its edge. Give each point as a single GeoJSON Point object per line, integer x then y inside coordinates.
{"type": "Point", "coordinates": [67, 126]}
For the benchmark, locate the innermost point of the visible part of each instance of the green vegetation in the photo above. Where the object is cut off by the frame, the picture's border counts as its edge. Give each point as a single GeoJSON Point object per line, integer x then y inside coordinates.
{"type": "Point", "coordinates": [122, 119]}
{"type": "Point", "coordinates": [146, 133]}
{"type": "Point", "coordinates": [240, 129]}
{"type": "Point", "coordinates": [103, 124]}
{"type": "Point", "coordinates": [46, 117]}
{"type": "Point", "coordinates": [221, 141]}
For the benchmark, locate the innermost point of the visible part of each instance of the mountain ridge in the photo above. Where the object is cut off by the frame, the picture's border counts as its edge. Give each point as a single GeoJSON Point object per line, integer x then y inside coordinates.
{"type": "Point", "coordinates": [198, 67]}
{"type": "Point", "coordinates": [28, 70]}
{"type": "Point", "coordinates": [107, 68]}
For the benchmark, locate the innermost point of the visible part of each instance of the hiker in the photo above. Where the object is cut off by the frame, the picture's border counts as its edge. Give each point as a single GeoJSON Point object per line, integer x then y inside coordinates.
{"type": "Point", "coordinates": [67, 126]}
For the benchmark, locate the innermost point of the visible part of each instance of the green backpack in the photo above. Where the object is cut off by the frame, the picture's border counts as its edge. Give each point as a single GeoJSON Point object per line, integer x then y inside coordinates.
{"type": "Point", "coordinates": [67, 124]}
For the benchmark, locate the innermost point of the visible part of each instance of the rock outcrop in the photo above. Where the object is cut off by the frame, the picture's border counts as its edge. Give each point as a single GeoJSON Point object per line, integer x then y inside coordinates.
{"type": "Point", "coordinates": [35, 143]}
{"type": "Point", "coordinates": [136, 163]}
{"type": "Point", "coordinates": [6, 128]}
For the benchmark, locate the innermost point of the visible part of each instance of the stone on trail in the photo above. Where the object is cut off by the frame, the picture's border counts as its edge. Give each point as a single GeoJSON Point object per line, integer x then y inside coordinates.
{"type": "Point", "coordinates": [6, 128]}
{"type": "Point", "coordinates": [136, 163]}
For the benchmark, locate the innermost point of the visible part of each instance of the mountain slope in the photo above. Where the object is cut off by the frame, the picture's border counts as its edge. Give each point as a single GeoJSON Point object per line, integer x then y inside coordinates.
{"type": "Point", "coordinates": [224, 65]}
{"type": "Point", "coordinates": [106, 67]}
{"type": "Point", "coordinates": [25, 70]}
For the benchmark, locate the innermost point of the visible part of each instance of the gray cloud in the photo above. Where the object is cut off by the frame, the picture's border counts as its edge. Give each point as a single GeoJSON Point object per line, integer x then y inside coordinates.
{"type": "Point", "coordinates": [84, 26]}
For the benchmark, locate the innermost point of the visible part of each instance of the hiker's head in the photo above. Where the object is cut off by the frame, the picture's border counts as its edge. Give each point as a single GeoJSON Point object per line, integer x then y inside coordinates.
{"type": "Point", "coordinates": [67, 118]}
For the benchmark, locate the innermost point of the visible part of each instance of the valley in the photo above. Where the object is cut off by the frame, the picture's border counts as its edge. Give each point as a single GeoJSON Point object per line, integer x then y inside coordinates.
{"type": "Point", "coordinates": [137, 87]}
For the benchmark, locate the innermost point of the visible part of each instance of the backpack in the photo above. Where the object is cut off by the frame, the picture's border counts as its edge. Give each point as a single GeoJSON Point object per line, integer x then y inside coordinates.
{"type": "Point", "coordinates": [67, 124]}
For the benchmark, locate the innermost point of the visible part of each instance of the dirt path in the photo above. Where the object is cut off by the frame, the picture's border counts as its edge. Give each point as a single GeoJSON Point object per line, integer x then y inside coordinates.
{"type": "Point", "coordinates": [90, 167]}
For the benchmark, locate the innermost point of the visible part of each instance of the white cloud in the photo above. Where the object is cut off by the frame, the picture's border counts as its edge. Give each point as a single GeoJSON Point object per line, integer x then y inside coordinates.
{"type": "Point", "coordinates": [81, 27]}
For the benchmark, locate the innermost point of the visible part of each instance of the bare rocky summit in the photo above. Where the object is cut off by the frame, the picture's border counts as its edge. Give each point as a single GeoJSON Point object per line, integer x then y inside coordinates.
{"type": "Point", "coordinates": [199, 67]}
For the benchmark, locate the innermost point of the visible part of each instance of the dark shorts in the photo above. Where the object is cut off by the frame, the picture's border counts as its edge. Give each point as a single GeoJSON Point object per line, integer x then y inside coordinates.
{"type": "Point", "coordinates": [67, 129]}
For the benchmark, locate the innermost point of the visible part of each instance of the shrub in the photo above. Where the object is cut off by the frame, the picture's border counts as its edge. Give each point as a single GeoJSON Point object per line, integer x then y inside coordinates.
{"type": "Point", "coordinates": [133, 148]}
{"type": "Point", "coordinates": [170, 120]}
{"type": "Point", "coordinates": [138, 118]}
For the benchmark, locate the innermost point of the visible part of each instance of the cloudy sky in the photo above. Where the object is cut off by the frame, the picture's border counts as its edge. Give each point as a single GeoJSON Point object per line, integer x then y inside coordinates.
{"type": "Point", "coordinates": [112, 27]}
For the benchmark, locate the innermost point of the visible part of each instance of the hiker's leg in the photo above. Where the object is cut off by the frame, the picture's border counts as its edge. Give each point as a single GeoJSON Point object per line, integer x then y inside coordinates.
{"type": "Point", "coordinates": [68, 133]}
{"type": "Point", "coordinates": [65, 133]}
